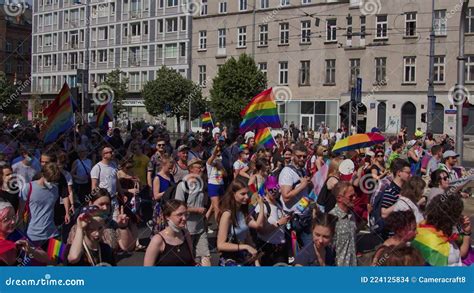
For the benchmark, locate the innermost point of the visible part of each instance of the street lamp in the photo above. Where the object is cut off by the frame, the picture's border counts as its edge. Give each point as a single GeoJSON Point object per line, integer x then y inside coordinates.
{"type": "Point", "coordinates": [85, 77]}
{"type": "Point", "coordinates": [460, 84]}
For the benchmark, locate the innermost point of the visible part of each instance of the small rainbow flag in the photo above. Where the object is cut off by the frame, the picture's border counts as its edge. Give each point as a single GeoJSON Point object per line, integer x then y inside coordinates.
{"type": "Point", "coordinates": [433, 245]}
{"type": "Point", "coordinates": [105, 114]}
{"type": "Point", "coordinates": [264, 137]}
{"type": "Point", "coordinates": [207, 120]}
{"type": "Point", "coordinates": [60, 115]}
{"type": "Point", "coordinates": [261, 112]}
{"type": "Point", "coordinates": [56, 250]}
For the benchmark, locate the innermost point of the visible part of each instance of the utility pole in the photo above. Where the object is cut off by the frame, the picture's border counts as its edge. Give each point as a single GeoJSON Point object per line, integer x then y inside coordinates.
{"type": "Point", "coordinates": [253, 27]}
{"type": "Point", "coordinates": [85, 78]}
{"type": "Point", "coordinates": [431, 94]}
{"type": "Point", "coordinates": [460, 85]}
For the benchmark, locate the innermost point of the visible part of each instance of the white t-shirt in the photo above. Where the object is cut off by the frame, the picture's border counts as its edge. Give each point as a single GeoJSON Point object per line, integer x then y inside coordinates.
{"type": "Point", "coordinates": [276, 213]}
{"type": "Point", "coordinates": [214, 175]}
{"type": "Point", "coordinates": [338, 136]}
{"type": "Point", "coordinates": [405, 204]}
{"type": "Point", "coordinates": [107, 176]}
{"type": "Point", "coordinates": [215, 130]}
{"type": "Point", "coordinates": [239, 165]}
{"type": "Point", "coordinates": [289, 177]}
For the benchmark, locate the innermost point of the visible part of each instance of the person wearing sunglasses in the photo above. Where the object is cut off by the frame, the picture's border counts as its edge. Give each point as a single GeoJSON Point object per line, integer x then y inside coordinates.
{"type": "Point", "coordinates": [439, 184]}
{"type": "Point", "coordinates": [154, 163]}
{"type": "Point", "coordinates": [401, 172]}
{"type": "Point", "coordinates": [377, 169]}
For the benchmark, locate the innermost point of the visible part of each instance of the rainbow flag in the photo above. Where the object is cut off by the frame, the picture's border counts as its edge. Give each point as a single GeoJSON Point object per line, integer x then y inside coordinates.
{"type": "Point", "coordinates": [105, 114]}
{"type": "Point", "coordinates": [60, 115]}
{"type": "Point", "coordinates": [56, 250]}
{"type": "Point", "coordinates": [433, 245]}
{"type": "Point", "coordinates": [207, 120]}
{"type": "Point", "coordinates": [261, 112]}
{"type": "Point", "coordinates": [264, 137]}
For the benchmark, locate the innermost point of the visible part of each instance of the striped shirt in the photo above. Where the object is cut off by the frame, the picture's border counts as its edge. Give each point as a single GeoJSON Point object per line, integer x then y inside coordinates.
{"type": "Point", "coordinates": [390, 195]}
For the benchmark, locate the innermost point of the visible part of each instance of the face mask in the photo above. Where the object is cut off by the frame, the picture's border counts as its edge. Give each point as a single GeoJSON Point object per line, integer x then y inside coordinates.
{"type": "Point", "coordinates": [28, 159]}
{"type": "Point", "coordinates": [174, 227]}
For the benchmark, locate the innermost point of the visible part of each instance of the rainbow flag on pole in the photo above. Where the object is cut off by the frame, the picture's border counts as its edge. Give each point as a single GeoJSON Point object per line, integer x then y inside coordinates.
{"type": "Point", "coordinates": [56, 250]}
{"type": "Point", "coordinates": [433, 245]}
{"type": "Point", "coordinates": [264, 137]}
{"type": "Point", "coordinates": [207, 120]}
{"type": "Point", "coordinates": [261, 112]}
{"type": "Point", "coordinates": [105, 114]}
{"type": "Point", "coordinates": [60, 115]}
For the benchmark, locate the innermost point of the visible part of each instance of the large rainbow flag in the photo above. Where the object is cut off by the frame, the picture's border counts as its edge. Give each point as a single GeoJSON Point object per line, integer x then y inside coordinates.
{"type": "Point", "coordinates": [105, 114]}
{"type": "Point", "coordinates": [261, 112]}
{"type": "Point", "coordinates": [433, 245]}
{"type": "Point", "coordinates": [207, 120]}
{"type": "Point", "coordinates": [60, 115]}
{"type": "Point", "coordinates": [264, 137]}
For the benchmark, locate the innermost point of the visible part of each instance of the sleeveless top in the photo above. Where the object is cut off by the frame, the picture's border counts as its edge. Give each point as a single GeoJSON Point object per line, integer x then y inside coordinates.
{"type": "Point", "coordinates": [237, 235]}
{"type": "Point", "coordinates": [175, 255]}
{"type": "Point", "coordinates": [164, 183]}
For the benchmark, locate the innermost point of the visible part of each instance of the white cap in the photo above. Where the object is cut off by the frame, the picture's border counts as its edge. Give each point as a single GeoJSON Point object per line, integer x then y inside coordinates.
{"type": "Point", "coordinates": [249, 135]}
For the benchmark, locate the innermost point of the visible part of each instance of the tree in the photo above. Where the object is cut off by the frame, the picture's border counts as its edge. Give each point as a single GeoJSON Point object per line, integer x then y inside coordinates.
{"type": "Point", "coordinates": [118, 83]}
{"type": "Point", "coordinates": [236, 83]}
{"type": "Point", "coordinates": [170, 94]}
{"type": "Point", "coordinates": [9, 96]}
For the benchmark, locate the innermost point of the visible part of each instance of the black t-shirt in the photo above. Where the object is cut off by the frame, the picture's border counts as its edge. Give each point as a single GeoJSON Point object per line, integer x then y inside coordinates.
{"type": "Point", "coordinates": [307, 256]}
{"type": "Point", "coordinates": [106, 257]}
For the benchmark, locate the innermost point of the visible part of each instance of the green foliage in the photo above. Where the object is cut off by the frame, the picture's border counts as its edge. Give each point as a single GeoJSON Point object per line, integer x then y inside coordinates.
{"type": "Point", "coordinates": [170, 94]}
{"type": "Point", "coordinates": [9, 96]}
{"type": "Point", "coordinates": [118, 82]}
{"type": "Point", "coordinates": [236, 83]}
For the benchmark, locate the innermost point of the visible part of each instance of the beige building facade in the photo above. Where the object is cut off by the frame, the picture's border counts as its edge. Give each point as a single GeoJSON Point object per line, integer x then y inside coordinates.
{"type": "Point", "coordinates": [312, 52]}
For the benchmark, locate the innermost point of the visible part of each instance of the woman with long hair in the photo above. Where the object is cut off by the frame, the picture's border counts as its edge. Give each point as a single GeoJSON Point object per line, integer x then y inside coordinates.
{"type": "Point", "coordinates": [173, 245]}
{"type": "Point", "coordinates": [326, 199]}
{"type": "Point", "coordinates": [411, 197]}
{"type": "Point", "coordinates": [9, 187]}
{"type": "Point", "coordinates": [234, 241]}
{"type": "Point", "coordinates": [439, 184]}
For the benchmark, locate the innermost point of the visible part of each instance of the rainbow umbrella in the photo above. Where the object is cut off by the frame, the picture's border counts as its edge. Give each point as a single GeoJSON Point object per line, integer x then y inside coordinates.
{"type": "Point", "coordinates": [358, 141]}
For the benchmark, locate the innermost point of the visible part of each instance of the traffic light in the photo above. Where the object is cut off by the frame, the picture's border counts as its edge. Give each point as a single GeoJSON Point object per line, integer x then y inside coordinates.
{"type": "Point", "coordinates": [423, 117]}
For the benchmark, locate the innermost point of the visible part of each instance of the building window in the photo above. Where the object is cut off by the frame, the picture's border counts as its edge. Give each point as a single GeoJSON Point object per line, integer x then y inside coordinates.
{"type": "Point", "coordinates": [330, 71]}
{"type": "Point", "coordinates": [263, 35]}
{"type": "Point", "coordinates": [409, 72]}
{"type": "Point", "coordinates": [183, 23]}
{"type": "Point", "coordinates": [171, 50]}
{"type": "Point", "coordinates": [242, 37]}
{"type": "Point", "coordinates": [470, 21]}
{"type": "Point", "coordinates": [381, 24]}
{"type": "Point", "coordinates": [172, 3]}
{"type": "Point", "coordinates": [305, 1]}
{"type": "Point", "coordinates": [284, 2]}
{"type": "Point", "coordinates": [222, 7]}
{"type": "Point", "coordinates": [410, 24]}
{"type": "Point", "coordinates": [381, 116]}
{"type": "Point", "coordinates": [355, 70]}
{"type": "Point", "coordinates": [331, 29]}
{"type": "Point", "coordinates": [439, 67]}
{"type": "Point", "coordinates": [264, 4]}
{"type": "Point", "coordinates": [305, 73]}
{"type": "Point", "coordinates": [182, 49]}
{"type": "Point", "coordinates": [284, 33]}
{"type": "Point", "coordinates": [221, 35]}
{"type": "Point", "coordinates": [242, 5]}
{"type": "Point", "coordinates": [102, 56]}
{"type": "Point", "coordinates": [470, 69]}
{"type": "Point", "coordinates": [202, 40]}
{"type": "Point", "coordinates": [362, 27]}
{"type": "Point", "coordinates": [203, 7]}
{"type": "Point", "coordinates": [381, 70]}
{"type": "Point", "coordinates": [202, 75]}
{"type": "Point", "coordinates": [283, 73]}
{"type": "Point", "coordinates": [349, 28]}
{"type": "Point", "coordinates": [306, 32]}
{"type": "Point", "coordinates": [171, 25]}
{"type": "Point", "coordinates": [263, 68]}
{"type": "Point", "coordinates": [440, 23]}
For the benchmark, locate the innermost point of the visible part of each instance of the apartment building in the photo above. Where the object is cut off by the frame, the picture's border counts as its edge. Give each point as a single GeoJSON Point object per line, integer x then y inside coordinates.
{"type": "Point", "coordinates": [15, 41]}
{"type": "Point", "coordinates": [135, 36]}
{"type": "Point", "coordinates": [313, 51]}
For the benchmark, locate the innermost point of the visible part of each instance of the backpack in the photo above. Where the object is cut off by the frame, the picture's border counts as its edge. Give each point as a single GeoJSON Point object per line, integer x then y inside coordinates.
{"type": "Point", "coordinates": [376, 222]}
{"type": "Point", "coordinates": [170, 193]}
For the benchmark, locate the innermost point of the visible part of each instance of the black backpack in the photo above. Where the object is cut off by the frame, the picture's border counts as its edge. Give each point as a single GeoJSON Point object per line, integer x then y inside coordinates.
{"type": "Point", "coordinates": [170, 193]}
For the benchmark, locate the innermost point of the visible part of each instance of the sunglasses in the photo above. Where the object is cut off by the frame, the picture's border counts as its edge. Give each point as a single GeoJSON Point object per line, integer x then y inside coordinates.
{"type": "Point", "coordinates": [444, 178]}
{"type": "Point", "coordinates": [160, 145]}
{"type": "Point", "coordinates": [380, 156]}
{"type": "Point", "coordinates": [109, 152]}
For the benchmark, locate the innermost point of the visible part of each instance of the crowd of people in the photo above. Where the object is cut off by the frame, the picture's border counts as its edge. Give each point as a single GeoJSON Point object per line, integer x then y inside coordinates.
{"type": "Point", "coordinates": [402, 203]}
